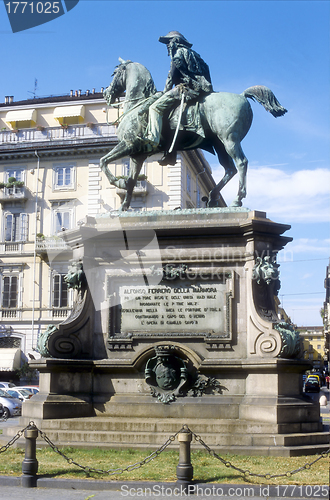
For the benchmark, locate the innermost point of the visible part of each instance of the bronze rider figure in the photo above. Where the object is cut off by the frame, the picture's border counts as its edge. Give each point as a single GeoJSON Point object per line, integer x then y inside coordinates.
{"type": "Point", "coordinates": [188, 75]}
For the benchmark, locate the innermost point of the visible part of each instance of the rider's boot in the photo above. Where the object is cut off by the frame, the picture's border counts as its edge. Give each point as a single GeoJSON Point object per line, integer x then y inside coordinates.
{"type": "Point", "coordinates": [168, 159]}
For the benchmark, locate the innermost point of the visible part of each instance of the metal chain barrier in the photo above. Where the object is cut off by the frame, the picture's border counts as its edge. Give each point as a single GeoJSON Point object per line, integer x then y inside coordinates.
{"type": "Point", "coordinates": [110, 472]}
{"type": "Point", "coordinates": [14, 439]}
{"type": "Point", "coordinates": [119, 470]}
{"type": "Point", "coordinates": [247, 473]}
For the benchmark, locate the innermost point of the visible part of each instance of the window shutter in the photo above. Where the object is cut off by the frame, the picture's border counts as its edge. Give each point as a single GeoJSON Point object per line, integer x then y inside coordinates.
{"type": "Point", "coordinates": [9, 294]}
{"type": "Point", "coordinates": [24, 227]}
{"type": "Point", "coordinates": [9, 227]}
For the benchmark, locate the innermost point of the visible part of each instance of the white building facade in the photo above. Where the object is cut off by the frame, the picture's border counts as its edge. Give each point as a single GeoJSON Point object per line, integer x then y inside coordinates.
{"type": "Point", "coordinates": [50, 179]}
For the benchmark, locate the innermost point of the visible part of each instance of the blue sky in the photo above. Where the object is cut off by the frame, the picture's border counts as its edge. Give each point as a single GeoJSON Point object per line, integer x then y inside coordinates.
{"type": "Point", "coordinates": [281, 44]}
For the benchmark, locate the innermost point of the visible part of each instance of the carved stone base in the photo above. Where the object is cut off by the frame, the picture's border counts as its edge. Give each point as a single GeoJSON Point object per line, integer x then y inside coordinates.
{"type": "Point", "coordinates": [194, 287]}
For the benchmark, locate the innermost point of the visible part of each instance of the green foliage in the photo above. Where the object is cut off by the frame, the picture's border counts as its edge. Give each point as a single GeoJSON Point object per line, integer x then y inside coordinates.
{"type": "Point", "coordinates": [141, 177]}
{"type": "Point", "coordinates": [26, 372]}
{"type": "Point", "coordinates": [12, 182]}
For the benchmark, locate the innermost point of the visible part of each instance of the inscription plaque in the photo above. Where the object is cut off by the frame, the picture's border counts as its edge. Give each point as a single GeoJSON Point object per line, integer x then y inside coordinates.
{"type": "Point", "coordinates": [175, 308]}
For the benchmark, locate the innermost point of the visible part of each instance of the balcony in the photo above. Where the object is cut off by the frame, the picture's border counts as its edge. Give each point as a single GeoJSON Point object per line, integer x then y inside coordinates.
{"type": "Point", "coordinates": [13, 194]}
{"type": "Point", "coordinates": [51, 245]}
{"type": "Point", "coordinates": [10, 313]}
{"type": "Point", "coordinates": [61, 312]}
{"type": "Point", "coordinates": [11, 247]}
{"type": "Point", "coordinates": [141, 189]}
{"type": "Point", "coordinates": [54, 134]}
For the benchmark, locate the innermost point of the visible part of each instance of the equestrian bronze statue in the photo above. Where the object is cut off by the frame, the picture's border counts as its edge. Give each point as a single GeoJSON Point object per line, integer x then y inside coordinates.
{"type": "Point", "coordinates": [214, 121]}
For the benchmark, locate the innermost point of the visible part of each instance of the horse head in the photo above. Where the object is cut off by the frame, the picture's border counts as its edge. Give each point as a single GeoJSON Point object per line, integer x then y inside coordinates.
{"type": "Point", "coordinates": [118, 84]}
{"type": "Point", "coordinates": [132, 77]}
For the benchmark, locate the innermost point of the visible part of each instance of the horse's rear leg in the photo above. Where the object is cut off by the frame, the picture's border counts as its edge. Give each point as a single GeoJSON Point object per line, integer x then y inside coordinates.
{"type": "Point", "coordinates": [234, 149]}
{"type": "Point", "coordinates": [230, 170]}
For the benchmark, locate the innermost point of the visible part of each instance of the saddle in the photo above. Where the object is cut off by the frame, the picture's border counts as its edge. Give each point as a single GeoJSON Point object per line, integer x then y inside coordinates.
{"type": "Point", "coordinates": [190, 122]}
{"type": "Point", "coordinates": [190, 119]}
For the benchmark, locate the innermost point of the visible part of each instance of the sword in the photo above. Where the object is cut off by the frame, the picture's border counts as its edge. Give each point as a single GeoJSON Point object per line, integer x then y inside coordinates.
{"type": "Point", "coordinates": [179, 123]}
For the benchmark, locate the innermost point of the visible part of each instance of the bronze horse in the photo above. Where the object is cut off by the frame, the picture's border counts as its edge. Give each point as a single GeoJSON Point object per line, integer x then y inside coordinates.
{"type": "Point", "coordinates": [225, 117]}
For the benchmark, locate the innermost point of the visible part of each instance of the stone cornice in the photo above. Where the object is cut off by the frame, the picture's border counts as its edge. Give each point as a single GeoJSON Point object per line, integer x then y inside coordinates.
{"type": "Point", "coordinates": [57, 148]}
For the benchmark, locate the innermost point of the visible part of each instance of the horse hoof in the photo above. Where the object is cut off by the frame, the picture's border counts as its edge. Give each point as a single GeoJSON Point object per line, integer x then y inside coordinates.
{"type": "Point", "coordinates": [121, 184]}
{"type": "Point", "coordinates": [236, 204]}
{"type": "Point", "coordinates": [213, 203]}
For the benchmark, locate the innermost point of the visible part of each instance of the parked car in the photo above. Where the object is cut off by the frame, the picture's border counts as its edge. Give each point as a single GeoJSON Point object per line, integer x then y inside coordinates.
{"type": "Point", "coordinates": [6, 385]}
{"type": "Point", "coordinates": [312, 384]}
{"type": "Point", "coordinates": [12, 406]}
{"type": "Point", "coordinates": [21, 394]}
{"type": "Point", "coordinates": [1, 411]}
{"type": "Point", "coordinates": [31, 388]}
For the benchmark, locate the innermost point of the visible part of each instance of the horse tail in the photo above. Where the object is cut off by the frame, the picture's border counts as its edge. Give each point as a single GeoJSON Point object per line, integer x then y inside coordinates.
{"type": "Point", "coordinates": [263, 95]}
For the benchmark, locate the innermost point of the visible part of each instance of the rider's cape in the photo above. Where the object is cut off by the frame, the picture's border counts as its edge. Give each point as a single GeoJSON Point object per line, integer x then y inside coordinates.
{"type": "Point", "coordinates": [189, 68]}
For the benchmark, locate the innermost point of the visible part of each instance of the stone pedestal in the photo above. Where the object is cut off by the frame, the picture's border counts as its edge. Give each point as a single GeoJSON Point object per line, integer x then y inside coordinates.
{"type": "Point", "coordinates": [178, 325]}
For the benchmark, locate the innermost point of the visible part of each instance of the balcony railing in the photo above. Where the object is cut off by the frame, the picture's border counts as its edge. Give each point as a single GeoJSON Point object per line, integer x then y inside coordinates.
{"type": "Point", "coordinates": [141, 189]}
{"type": "Point", "coordinates": [56, 133]}
{"type": "Point", "coordinates": [10, 313]}
{"type": "Point", "coordinates": [13, 194]}
{"type": "Point", "coordinates": [44, 245]}
{"type": "Point", "coordinates": [61, 312]}
{"type": "Point", "coordinates": [11, 246]}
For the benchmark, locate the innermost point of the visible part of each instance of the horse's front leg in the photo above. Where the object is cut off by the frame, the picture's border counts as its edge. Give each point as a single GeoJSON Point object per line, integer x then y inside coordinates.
{"type": "Point", "coordinates": [135, 168]}
{"type": "Point", "coordinates": [120, 151]}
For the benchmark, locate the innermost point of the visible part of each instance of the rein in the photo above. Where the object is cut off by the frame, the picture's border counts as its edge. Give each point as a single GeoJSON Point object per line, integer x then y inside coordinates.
{"type": "Point", "coordinates": [126, 112]}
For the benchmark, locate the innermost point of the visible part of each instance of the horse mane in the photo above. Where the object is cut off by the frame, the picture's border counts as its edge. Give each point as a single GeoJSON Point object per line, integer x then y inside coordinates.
{"type": "Point", "coordinates": [150, 88]}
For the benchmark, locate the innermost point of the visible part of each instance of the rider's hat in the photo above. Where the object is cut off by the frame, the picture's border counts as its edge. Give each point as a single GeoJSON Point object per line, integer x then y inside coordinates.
{"type": "Point", "coordinates": [175, 34]}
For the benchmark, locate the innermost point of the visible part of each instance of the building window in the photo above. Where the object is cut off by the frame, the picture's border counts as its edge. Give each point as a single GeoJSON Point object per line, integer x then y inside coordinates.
{"type": "Point", "coordinates": [16, 227]}
{"type": "Point", "coordinates": [63, 216]}
{"type": "Point", "coordinates": [9, 292]}
{"type": "Point", "coordinates": [188, 182]}
{"type": "Point", "coordinates": [64, 177]}
{"type": "Point", "coordinates": [18, 175]}
{"type": "Point", "coordinates": [126, 168]}
{"type": "Point", "coordinates": [61, 297]}
{"type": "Point", "coordinates": [10, 342]}
{"type": "Point", "coordinates": [60, 291]}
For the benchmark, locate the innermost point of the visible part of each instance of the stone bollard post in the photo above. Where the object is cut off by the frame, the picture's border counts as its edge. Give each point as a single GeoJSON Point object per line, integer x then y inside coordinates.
{"type": "Point", "coordinates": [184, 470]}
{"type": "Point", "coordinates": [30, 462]}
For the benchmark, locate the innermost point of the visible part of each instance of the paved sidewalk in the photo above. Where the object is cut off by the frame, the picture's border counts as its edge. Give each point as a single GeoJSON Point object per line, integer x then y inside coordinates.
{"type": "Point", "coordinates": [54, 489]}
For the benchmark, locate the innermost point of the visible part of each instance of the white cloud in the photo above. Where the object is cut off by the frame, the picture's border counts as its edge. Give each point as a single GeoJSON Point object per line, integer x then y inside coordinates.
{"type": "Point", "coordinates": [300, 196]}
{"type": "Point", "coordinates": [313, 246]}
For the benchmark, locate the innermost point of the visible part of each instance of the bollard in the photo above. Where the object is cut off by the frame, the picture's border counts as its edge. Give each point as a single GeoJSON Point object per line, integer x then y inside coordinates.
{"type": "Point", "coordinates": [30, 462]}
{"type": "Point", "coordinates": [184, 470]}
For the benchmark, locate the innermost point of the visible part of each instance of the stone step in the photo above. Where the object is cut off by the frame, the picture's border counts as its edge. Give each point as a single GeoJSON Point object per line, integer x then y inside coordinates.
{"type": "Point", "coordinates": [255, 450]}
{"type": "Point", "coordinates": [155, 437]}
{"type": "Point", "coordinates": [294, 439]}
{"type": "Point", "coordinates": [173, 425]}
